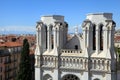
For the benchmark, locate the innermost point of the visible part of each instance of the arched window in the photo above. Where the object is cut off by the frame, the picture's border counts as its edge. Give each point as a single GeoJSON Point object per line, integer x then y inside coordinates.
{"type": "Point", "coordinates": [76, 47]}
{"type": "Point", "coordinates": [94, 37]}
{"type": "Point", "coordinates": [70, 77]}
{"type": "Point", "coordinates": [101, 37]}
{"type": "Point", "coordinates": [46, 35]}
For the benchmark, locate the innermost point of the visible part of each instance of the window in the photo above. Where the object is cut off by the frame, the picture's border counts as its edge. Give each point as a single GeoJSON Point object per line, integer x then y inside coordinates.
{"type": "Point", "coordinates": [46, 36]}
{"type": "Point", "coordinates": [52, 46]}
{"type": "Point", "coordinates": [94, 37]}
{"type": "Point", "coordinates": [76, 47]}
{"type": "Point", "coordinates": [101, 37]}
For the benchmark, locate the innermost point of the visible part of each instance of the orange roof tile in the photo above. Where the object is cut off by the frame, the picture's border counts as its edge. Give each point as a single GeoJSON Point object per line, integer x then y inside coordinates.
{"type": "Point", "coordinates": [10, 44]}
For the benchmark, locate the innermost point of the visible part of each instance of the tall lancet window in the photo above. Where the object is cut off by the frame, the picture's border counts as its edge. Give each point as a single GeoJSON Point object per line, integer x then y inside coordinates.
{"type": "Point", "coordinates": [46, 36]}
{"type": "Point", "coordinates": [52, 38]}
{"type": "Point", "coordinates": [101, 37]}
{"type": "Point", "coordinates": [94, 37]}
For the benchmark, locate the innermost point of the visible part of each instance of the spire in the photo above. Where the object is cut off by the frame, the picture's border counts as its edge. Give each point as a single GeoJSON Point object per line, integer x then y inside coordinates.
{"type": "Point", "coordinates": [76, 29]}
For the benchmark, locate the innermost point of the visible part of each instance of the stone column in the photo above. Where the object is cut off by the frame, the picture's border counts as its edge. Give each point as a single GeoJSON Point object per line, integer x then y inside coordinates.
{"type": "Point", "coordinates": [61, 38]}
{"type": "Point", "coordinates": [85, 37]}
{"type": "Point", "coordinates": [105, 38]}
{"type": "Point", "coordinates": [97, 40]}
{"type": "Point", "coordinates": [93, 64]}
{"type": "Point", "coordinates": [37, 36]}
{"type": "Point", "coordinates": [37, 45]}
{"type": "Point", "coordinates": [91, 39]}
{"type": "Point", "coordinates": [55, 37]}
{"type": "Point", "coordinates": [87, 33]}
{"type": "Point", "coordinates": [58, 35]}
{"type": "Point", "coordinates": [49, 30]}
{"type": "Point", "coordinates": [110, 38]}
{"type": "Point", "coordinates": [83, 64]}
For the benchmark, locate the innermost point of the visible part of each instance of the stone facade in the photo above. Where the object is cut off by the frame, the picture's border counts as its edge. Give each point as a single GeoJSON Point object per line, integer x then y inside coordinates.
{"type": "Point", "coordinates": [87, 57]}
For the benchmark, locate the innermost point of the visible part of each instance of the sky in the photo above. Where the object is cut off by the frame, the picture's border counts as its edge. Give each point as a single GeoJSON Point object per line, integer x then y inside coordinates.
{"type": "Point", "coordinates": [20, 16]}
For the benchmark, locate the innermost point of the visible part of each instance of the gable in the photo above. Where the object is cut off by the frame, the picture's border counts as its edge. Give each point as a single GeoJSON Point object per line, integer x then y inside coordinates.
{"type": "Point", "coordinates": [74, 43]}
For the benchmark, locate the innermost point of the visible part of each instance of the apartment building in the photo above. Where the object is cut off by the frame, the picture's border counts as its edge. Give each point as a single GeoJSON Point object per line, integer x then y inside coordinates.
{"type": "Point", "coordinates": [9, 59]}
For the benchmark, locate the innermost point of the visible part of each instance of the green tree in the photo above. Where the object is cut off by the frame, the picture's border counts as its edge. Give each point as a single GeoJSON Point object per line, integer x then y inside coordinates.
{"type": "Point", "coordinates": [24, 72]}
{"type": "Point", "coordinates": [117, 50]}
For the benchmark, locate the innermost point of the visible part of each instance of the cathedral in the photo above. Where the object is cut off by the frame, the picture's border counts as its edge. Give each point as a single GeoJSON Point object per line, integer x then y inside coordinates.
{"type": "Point", "coordinates": [89, 56]}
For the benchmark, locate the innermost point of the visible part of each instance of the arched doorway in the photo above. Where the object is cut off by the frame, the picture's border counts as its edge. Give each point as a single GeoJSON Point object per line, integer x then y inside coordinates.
{"type": "Point", "coordinates": [70, 77]}
{"type": "Point", "coordinates": [47, 77]}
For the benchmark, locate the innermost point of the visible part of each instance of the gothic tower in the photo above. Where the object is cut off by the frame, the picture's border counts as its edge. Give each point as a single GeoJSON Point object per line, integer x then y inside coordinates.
{"type": "Point", "coordinates": [51, 36]}
{"type": "Point", "coordinates": [98, 32]}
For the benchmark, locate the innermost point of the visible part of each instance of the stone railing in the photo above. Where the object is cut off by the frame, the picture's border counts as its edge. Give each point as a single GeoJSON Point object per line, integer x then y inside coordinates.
{"type": "Point", "coordinates": [100, 65]}
{"type": "Point", "coordinates": [74, 63]}
{"type": "Point", "coordinates": [71, 51]}
{"type": "Point", "coordinates": [49, 61]}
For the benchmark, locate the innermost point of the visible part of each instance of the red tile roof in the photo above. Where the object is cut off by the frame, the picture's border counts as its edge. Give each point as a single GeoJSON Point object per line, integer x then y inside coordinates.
{"type": "Point", "coordinates": [10, 44]}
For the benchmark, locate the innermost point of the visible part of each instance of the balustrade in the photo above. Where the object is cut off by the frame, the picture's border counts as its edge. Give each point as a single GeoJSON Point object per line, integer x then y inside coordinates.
{"type": "Point", "coordinates": [73, 63]}
{"type": "Point", "coordinates": [48, 61]}
{"type": "Point", "coordinates": [100, 65]}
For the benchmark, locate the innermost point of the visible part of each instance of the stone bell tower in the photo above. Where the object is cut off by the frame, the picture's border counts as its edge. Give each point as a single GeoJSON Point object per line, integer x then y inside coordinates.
{"type": "Point", "coordinates": [51, 36]}
{"type": "Point", "coordinates": [98, 31]}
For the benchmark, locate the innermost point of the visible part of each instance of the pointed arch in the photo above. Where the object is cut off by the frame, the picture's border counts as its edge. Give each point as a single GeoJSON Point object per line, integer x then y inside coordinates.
{"type": "Point", "coordinates": [47, 77]}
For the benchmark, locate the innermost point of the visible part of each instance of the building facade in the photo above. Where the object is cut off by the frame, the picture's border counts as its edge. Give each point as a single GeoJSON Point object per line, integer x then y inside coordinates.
{"type": "Point", "coordinates": [9, 60]}
{"type": "Point", "coordinates": [87, 57]}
